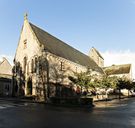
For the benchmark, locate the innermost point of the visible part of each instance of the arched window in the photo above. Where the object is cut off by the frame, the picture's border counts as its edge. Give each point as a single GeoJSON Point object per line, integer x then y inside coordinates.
{"type": "Point", "coordinates": [28, 68]}
{"type": "Point", "coordinates": [32, 65]}
{"type": "Point", "coordinates": [35, 66]}
{"type": "Point", "coordinates": [24, 64]}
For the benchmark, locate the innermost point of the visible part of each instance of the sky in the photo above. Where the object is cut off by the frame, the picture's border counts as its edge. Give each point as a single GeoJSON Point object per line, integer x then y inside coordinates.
{"type": "Point", "coordinates": [108, 25]}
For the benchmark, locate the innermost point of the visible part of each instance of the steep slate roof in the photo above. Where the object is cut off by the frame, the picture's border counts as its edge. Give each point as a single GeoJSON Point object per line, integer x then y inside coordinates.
{"type": "Point", "coordinates": [59, 48]}
{"type": "Point", "coordinates": [98, 53]}
{"type": "Point", "coordinates": [117, 69]}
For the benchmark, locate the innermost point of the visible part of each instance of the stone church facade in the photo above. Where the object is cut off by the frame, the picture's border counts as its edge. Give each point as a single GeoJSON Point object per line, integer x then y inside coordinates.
{"type": "Point", "coordinates": [43, 63]}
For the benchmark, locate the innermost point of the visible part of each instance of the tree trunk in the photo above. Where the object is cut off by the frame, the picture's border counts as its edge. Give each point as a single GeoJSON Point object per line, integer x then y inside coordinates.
{"type": "Point", "coordinates": [44, 92]}
{"type": "Point", "coordinates": [119, 93]}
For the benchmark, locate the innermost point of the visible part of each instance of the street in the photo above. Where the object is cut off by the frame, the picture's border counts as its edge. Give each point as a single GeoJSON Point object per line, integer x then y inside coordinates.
{"type": "Point", "coordinates": [114, 114]}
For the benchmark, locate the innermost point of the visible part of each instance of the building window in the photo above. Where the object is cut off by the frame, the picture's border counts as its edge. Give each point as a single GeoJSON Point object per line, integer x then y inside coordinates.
{"type": "Point", "coordinates": [62, 67]}
{"type": "Point", "coordinates": [35, 65]}
{"type": "Point", "coordinates": [25, 44]}
{"type": "Point", "coordinates": [32, 65]}
{"type": "Point", "coordinates": [24, 64]}
{"type": "Point", "coordinates": [28, 68]}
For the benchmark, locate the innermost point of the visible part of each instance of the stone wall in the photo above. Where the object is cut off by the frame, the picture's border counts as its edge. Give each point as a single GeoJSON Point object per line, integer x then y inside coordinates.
{"type": "Point", "coordinates": [99, 61]}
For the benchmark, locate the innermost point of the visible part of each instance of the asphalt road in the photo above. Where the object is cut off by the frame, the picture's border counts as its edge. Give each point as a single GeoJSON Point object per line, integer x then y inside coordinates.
{"type": "Point", "coordinates": [115, 114]}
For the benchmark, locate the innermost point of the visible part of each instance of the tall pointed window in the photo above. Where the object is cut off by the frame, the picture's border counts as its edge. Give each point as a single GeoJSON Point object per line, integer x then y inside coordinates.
{"type": "Point", "coordinates": [32, 66]}
{"type": "Point", "coordinates": [35, 66]}
{"type": "Point", "coordinates": [28, 68]}
{"type": "Point", "coordinates": [24, 64]}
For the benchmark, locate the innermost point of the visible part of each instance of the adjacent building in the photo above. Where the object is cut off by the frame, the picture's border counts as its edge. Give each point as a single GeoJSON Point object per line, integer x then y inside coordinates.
{"type": "Point", "coordinates": [5, 78]}
{"type": "Point", "coordinates": [124, 70]}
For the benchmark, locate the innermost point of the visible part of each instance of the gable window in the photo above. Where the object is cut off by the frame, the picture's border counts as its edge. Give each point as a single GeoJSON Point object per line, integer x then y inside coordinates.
{"type": "Point", "coordinates": [25, 44]}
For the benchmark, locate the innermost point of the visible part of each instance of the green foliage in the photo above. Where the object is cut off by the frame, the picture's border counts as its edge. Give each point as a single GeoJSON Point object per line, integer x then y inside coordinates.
{"type": "Point", "coordinates": [124, 84]}
{"type": "Point", "coordinates": [120, 84]}
{"type": "Point", "coordinates": [133, 85]}
{"type": "Point", "coordinates": [82, 79]}
{"type": "Point", "coordinates": [85, 79]}
{"type": "Point", "coordinates": [107, 82]}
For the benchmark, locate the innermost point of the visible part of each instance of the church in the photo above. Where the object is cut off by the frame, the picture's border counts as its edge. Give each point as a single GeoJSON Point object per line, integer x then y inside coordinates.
{"type": "Point", "coordinates": [42, 63]}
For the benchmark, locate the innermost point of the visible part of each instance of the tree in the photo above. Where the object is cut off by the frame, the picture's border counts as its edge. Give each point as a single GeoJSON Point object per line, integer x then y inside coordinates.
{"type": "Point", "coordinates": [58, 76]}
{"type": "Point", "coordinates": [83, 79]}
{"type": "Point", "coordinates": [120, 85]}
{"type": "Point", "coordinates": [105, 82]}
{"type": "Point", "coordinates": [128, 86]}
{"type": "Point", "coordinates": [133, 85]}
{"type": "Point", "coordinates": [42, 74]}
{"type": "Point", "coordinates": [18, 80]}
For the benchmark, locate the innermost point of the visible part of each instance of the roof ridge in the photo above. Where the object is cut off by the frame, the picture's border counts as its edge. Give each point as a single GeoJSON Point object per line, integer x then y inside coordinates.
{"type": "Point", "coordinates": [118, 65]}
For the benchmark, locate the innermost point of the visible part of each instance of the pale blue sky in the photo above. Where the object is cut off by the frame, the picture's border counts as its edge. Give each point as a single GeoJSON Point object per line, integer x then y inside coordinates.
{"type": "Point", "coordinates": [104, 24]}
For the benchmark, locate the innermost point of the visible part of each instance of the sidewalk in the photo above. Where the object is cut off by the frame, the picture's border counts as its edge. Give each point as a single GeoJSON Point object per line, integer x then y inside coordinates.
{"type": "Point", "coordinates": [17, 99]}
{"type": "Point", "coordinates": [111, 103]}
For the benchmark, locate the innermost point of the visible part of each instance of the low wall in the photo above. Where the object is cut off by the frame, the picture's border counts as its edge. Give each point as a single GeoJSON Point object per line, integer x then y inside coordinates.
{"type": "Point", "coordinates": [80, 101]}
{"type": "Point", "coordinates": [109, 97]}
